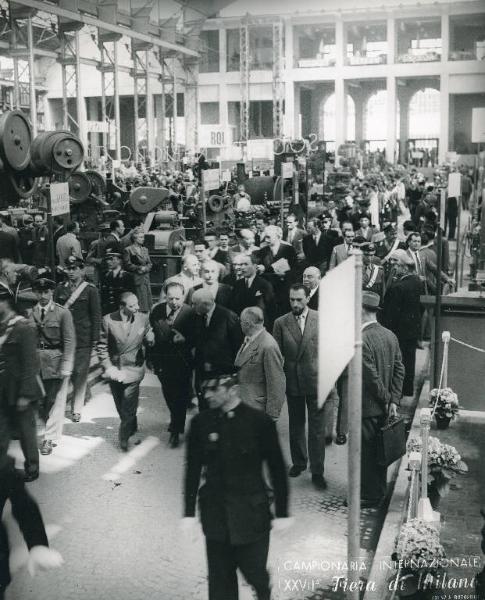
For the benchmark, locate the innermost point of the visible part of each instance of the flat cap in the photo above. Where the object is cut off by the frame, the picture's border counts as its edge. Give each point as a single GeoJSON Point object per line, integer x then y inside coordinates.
{"type": "Point", "coordinates": [370, 300]}
{"type": "Point", "coordinates": [74, 261]}
{"type": "Point", "coordinates": [43, 283]}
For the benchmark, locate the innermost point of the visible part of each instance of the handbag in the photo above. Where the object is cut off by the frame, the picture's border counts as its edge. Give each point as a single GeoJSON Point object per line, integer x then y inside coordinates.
{"type": "Point", "coordinates": [391, 442]}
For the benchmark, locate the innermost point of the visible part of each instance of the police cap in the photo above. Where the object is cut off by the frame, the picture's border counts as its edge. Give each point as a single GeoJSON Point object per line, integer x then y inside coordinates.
{"type": "Point", "coordinates": [42, 284]}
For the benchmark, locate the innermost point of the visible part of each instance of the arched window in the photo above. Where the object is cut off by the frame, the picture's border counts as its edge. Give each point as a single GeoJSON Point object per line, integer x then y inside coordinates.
{"type": "Point", "coordinates": [375, 120]}
{"type": "Point", "coordinates": [328, 118]}
{"type": "Point", "coordinates": [424, 114]}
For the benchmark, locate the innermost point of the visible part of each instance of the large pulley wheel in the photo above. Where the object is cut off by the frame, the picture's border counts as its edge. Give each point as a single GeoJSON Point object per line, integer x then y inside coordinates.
{"type": "Point", "coordinates": [24, 185]}
{"type": "Point", "coordinates": [79, 187]}
{"type": "Point", "coordinates": [215, 203]}
{"type": "Point", "coordinates": [98, 183]}
{"type": "Point", "coordinates": [56, 151]}
{"type": "Point", "coordinates": [15, 140]}
{"type": "Point", "coordinates": [68, 152]}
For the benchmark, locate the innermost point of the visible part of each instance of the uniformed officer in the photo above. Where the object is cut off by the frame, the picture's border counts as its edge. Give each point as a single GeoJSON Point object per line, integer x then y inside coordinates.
{"type": "Point", "coordinates": [56, 346]}
{"type": "Point", "coordinates": [231, 441]}
{"type": "Point", "coordinates": [82, 299]}
{"type": "Point", "coordinates": [114, 282]}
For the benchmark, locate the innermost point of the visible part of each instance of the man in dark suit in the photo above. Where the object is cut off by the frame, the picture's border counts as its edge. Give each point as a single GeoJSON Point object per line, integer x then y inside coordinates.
{"type": "Point", "coordinates": [214, 252]}
{"type": "Point", "coordinates": [221, 292]}
{"type": "Point", "coordinates": [114, 282]}
{"type": "Point", "coordinates": [172, 322]}
{"type": "Point", "coordinates": [231, 442]}
{"type": "Point", "coordinates": [382, 379]}
{"type": "Point", "coordinates": [120, 351]}
{"type": "Point", "coordinates": [318, 245]}
{"type": "Point", "coordinates": [217, 337]}
{"type": "Point", "coordinates": [113, 241]}
{"type": "Point", "coordinates": [312, 278]}
{"type": "Point", "coordinates": [277, 262]}
{"type": "Point", "coordinates": [20, 387]}
{"type": "Point", "coordinates": [253, 290]}
{"type": "Point", "coordinates": [296, 333]}
{"type": "Point", "coordinates": [401, 313]}
{"type": "Point", "coordinates": [82, 299]}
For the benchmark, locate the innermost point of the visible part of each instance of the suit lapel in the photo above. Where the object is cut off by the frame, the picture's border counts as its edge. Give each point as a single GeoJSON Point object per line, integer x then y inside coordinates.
{"type": "Point", "coordinates": [310, 323]}
{"type": "Point", "coordinates": [293, 328]}
{"type": "Point", "coordinates": [251, 349]}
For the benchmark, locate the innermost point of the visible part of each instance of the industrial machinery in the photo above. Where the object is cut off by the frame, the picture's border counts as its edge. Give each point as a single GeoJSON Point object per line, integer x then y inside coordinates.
{"type": "Point", "coordinates": [24, 160]}
{"type": "Point", "coordinates": [164, 234]}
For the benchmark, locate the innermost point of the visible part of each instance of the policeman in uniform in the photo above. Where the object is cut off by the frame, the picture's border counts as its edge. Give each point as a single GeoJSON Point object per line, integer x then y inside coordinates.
{"type": "Point", "coordinates": [230, 442]}
{"type": "Point", "coordinates": [114, 282]}
{"type": "Point", "coordinates": [56, 347]}
{"type": "Point", "coordinates": [373, 276]}
{"type": "Point", "coordinates": [82, 299]}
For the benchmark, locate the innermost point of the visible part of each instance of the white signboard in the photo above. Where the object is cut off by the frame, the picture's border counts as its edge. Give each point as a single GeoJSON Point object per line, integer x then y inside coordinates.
{"type": "Point", "coordinates": [287, 170]}
{"type": "Point", "coordinates": [454, 185]}
{"type": "Point", "coordinates": [211, 179]}
{"type": "Point", "coordinates": [214, 136]}
{"type": "Point", "coordinates": [59, 193]}
{"type": "Point", "coordinates": [478, 125]}
{"type": "Point", "coordinates": [451, 157]}
{"type": "Point", "coordinates": [97, 126]}
{"type": "Point", "coordinates": [226, 176]}
{"type": "Point", "coordinates": [336, 338]}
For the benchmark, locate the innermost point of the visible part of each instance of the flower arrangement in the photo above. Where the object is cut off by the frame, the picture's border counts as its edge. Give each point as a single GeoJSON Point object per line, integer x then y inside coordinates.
{"type": "Point", "coordinates": [444, 462]}
{"type": "Point", "coordinates": [418, 547]}
{"type": "Point", "coordinates": [446, 402]}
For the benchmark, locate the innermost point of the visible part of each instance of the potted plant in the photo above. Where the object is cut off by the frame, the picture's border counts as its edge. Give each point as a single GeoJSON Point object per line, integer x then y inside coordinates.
{"type": "Point", "coordinates": [419, 552]}
{"type": "Point", "coordinates": [445, 406]}
{"type": "Point", "coordinates": [444, 462]}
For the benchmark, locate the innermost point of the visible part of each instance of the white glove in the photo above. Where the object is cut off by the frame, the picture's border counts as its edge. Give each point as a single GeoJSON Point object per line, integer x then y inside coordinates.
{"type": "Point", "coordinates": [282, 523]}
{"type": "Point", "coordinates": [189, 529]}
{"type": "Point", "coordinates": [42, 558]}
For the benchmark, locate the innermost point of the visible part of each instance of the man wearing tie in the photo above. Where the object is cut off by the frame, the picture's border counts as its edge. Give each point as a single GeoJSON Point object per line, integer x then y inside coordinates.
{"type": "Point", "coordinates": [172, 322]}
{"type": "Point", "coordinates": [253, 290]}
{"type": "Point", "coordinates": [221, 292]}
{"type": "Point", "coordinates": [120, 351]}
{"type": "Point", "coordinates": [297, 336]}
{"type": "Point", "coordinates": [342, 251]}
{"type": "Point", "coordinates": [217, 337]}
{"type": "Point", "coordinates": [294, 235]}
{"type": "Point", "coordinates": [261, 377]}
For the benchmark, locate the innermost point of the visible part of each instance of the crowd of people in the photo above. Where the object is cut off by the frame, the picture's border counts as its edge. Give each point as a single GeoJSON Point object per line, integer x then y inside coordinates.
{"type": "Point", "coordinates": [235, 332]}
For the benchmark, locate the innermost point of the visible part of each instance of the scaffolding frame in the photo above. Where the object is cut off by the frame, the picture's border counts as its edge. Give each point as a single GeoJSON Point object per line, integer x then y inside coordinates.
{"type": "Point", "coordinates": [278, 88]}
{"type": "Point", "coordinates": [244, 67]}
{"type": "Point", "coordinates": [70, 61]}
{"type": "Point", "coordinates": [110, 98]}
{"type": "Point", "coordinates": [142, 103]}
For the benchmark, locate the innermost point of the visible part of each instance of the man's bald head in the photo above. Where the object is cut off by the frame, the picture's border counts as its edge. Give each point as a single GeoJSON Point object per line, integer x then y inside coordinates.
{"type": "Point", "coordinates": [202, 301]}
{"type": "Point", "coordinates": [312, 277]}
{"type": "Point", "coordinates": [252, 320]}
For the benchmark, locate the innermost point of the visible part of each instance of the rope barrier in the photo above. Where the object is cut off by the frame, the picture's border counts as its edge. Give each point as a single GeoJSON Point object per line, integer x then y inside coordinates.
{"type": "Point", "coordinates": [462, 343]}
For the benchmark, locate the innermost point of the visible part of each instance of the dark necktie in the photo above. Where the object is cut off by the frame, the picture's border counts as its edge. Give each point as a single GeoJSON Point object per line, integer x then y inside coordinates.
{"type": "Point", "coordinates": [205, 318]}
{"type": "Point", "coordinates": [42, 314]}
{"type": "Point", "coordinates": [170, 317]}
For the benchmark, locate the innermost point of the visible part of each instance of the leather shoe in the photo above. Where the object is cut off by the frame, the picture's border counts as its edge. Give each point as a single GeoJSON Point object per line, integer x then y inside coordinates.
{"type": "Point", "coordinates": [76, 417]}
{"type": "Point", "coordinates": [319, 481]}
{"type": "Point", "coordinates": [31, 476]}
{"type": "Point", "coordinates": [174, 440]}
{"type": "Point", "coordinates": [341, 439]}
{"type": "Point", "coordinates": [46, 447]}
{"type": "Point", "coordinates": [295, 471]}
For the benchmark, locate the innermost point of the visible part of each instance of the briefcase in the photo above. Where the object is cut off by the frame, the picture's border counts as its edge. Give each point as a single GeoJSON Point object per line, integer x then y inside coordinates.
{"type": "Point", "coordinates": [392, 442]}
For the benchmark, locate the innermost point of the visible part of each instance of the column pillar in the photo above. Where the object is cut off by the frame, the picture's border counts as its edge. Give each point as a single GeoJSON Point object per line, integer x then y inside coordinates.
{"type": "Point", "coordinates": [444, 117]}
{"type": "Point", "coordinates": [291, 115]}
{"type": "Point", "coordinates": [445, 37]}
{"type": "Point", "coordinates": [340, 44]}
{"type": "Point", "coordinates": [223, 108]}
{"type": "Point", "coordinates": [404, 99]}
{"type": "Point", "coordinates": [340, 112]}
{"type": "Point", "coordinates": [391, 119]}
{"type": "Point", "coordinates": [391, 41]}
{"type": "Point", "coordinates": [360, 100]}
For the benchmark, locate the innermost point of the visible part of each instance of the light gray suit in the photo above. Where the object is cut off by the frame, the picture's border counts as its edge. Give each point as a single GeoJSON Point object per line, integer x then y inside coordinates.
{"type": "Point", "coordinates": [339, 254]}
{"type": "Point", "coordinates": [261, 376]}
{"type": "Point", "coordinates": [300, 353]}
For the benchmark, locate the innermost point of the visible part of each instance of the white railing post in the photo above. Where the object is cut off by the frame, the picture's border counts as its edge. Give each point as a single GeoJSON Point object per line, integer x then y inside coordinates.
{"type": "Point", "coordinates": [445, 337]}
{"type": "Point", "coordinates": [414, 464]}
{"type": "Point", "coordinates": [425, 510]}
